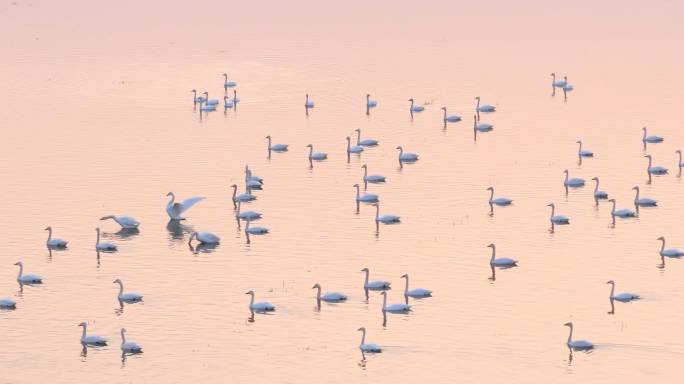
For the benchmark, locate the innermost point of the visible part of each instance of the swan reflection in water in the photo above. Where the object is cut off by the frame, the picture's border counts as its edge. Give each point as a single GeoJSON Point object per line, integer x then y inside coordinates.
{"type": "Point", "coordinates": [127, 232]}
{"type": "Point", "coordinates": [203, 248]}
{"type": "Point", "coordinates": [250, 319]}
{"type": "Point", "coordinates": [177, 230]}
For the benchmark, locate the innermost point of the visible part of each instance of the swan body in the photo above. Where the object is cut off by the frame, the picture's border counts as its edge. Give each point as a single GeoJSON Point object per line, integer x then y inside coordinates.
{"type": "Point", "coordinates": [316, 156]}
{"type": "Point", "coordinates": [584, 153]}
{"type": "Point", "coordinates": [568, 87]}
{"type": "Point", "coordinates": [574, 181]}
{"type": "Point", "coordinates": [331, 296]}
{"type": "Point", "coordinates": [264, 306]}
{"type": "Point", "coordinates": [484, 108]}
{"type": "Point", "coordinates": [27, 278]}
{"type": "Point", "coordinates": [406, 156]}
{"type": "Point", "coordinates": [622, 212]}
{"type": "Point", "coordinates": [126, 296]}
{"type": "Point", "coordinates": [597, 193]}
{"type": "Point", "coordinates": [501, 260]}
{"type": "Point", "coordinates": [7, 303]}
{"type": "Point", "coordinates": [417, 292]}
{"type": "Point", "coordinates": [254, 230]}
{"type": "Point", "coordinates": [128, 346]}
{"type": "Point", "coordinates": [209, 101]}
{"type": "Point", "coordinates": [643, 200]}
{"type": "Point", "coordinates": [227, 103]}
{"type": "Point", "coordinates": [235, 98]}
{"type": "Point", "coordinates": [174, 210]}
{"type": "Point", "coordinates": [103, 246]}
{"type": "Point", "coordinates": [197, 99]}
{"type": "Point", "coordinates": [450, 117]}
{"type": "Point", "coordinates": [655, 170]}
{"type": "Point", "coordinates": [250, 176]}
{"type": "Point", "coordinates": [669, 252]}
{"type": "Point", "coordinates": [371, 178]}
{"type": "Point", "coordinates": [227, 83]}
{"type": "Point", "coordinates": [246, 215]}
{"type": "Point", "coordinates": [557, 218]}
{"type": "Point", "coordinates": [393, 307]}
{"type": "Point", "coordinates": [354, 149]}
{"type": "Point", "coordinates": [416, 108]}
{"type": "Point", "coordinates": [204, 238]}
{"type": "Point", "coordinates": [126, 222]}
{"type": "Point", "coordinates": [681, 164]}
{"type": "Point", "coordinates": [54, 242]}
{"type": "Point", "coordinates": [366, 197]}
{"type": "Point", "coordinates": [500, 200]}
{"type": "Point", "coordinates": [481, 126]}
{"type": "Point", "coordinates": [366, 142]}
{"type": "Point", "coordinates": [242, 197]}
{"type": "Point", "coordinates": [368, 347]}
{"type": "Point", "coordinates": [621, 296]}
{"type": "Point", "coordinates": [276, 147]}
{"type": "Point", "coordinates": [307, 103]}
{"type": "Point", "coordinates": [384, 218]}
{"type": "Point", "coordinates": [369, 102]}
{"type": "Point", "coordinates": [374, 284]}
{"type": "Point", "coordinates": [211, 107]}
{"type": "Point", "coordinates": [557, 83]}
{"type": "Point", "coordinates": [651, 139]}
{"type": "Point", "coordinates": [577, 343]}
{"type": "Point", "coordinates": [92, 339]}
{"type": "Point", "coordinates": [252, 181]}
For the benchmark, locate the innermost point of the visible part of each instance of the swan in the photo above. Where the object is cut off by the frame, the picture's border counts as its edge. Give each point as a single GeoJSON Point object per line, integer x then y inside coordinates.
{"type": "Point", "coordinates": [209, 107]}
{"type": "Point", "coordinates": [27, 278]}
{"type": "Point", "coordinates": [415, 292]}
{"type": "Point", "coordinates": [175, 209]}
{"type": "Point", "coordinates": [209, 101]}
{"type": "Point", "coordinates": [55, 242]}
{"type": "Point", "coordinates": [252, 177]}
{"type": "Point", "coordinates": [371, 178]}
{"type": "Point", "coordinates": [245, 215]}
{"type": "Point", "coordinates": [254, 230]}
{"type": "Point", "coordinates": [417, 108]}
{"type": "Point", "coordinates": [235, 98]}
{"type": "Point", "coordinates": [331, 296]}
{"type": "Point", "coordinates": [242, 197]}
{"type": "Point", "coordinates": [643, 200]}
{"type": "Point", "coordinates": [669, 252]}
{"type": "Point", "coordinates": [368, 347]}
{"type": "Point", "coordinates": [126, 222]}
{"type": "Point", "coordinates": [226, 82]}
{"type": "Point", "coordinates": [307, 103]}
{"type": "Point", "coordinates": [567, 87]}
{"type": "Point", "coordinates": [584, 153]}
{"type": "Point", "coordinates": [406, 156]}
{"type": "Point", "coordinates": [651, 139]}
{"type": "Point", "coordinates": [7, 303]}
{"type": "Point", "coordinates": [227, 103]}
{"type": "Point", "coordinates": [384, 218]}
{"type": "Point", "coordinates": [500, 200]}
{"type": "Point", "coordinates": [484, 108]}
{"type": "Point", "coordinates": [577, 343]}
{"type": "Point", "coordinates": [316, 156]}
{"type": "Point", "coordinates": [130, 346]}
{"type": "Point", "coordinates": [558, 218]}
{"type": "Point", "coordinates": [598, 193]}
{"type": "Point", "coordinates": [374, 284]}
{"type": "Point", "coordinates": [622, 212]}
{"type": "Point", "coordinates": [501, 260]}
{"type": "Point", "coordinates": [92, 339]}
{"type": "Point", "coordinates": [574, 181]}
{"type": "Point", "coordinates": [393, 307]}
{"type": "Point", "coordinates": [655, 170]}
{"type": "Point", "coordinates": [276, 147]}
{"type": "Point", "coordinates": [103, 246]}
{"type": "Point", "coordinates": [557, 83]}
{"type": "Point", "coordinates": [126, 296]}
{"type": "Point", "coordinates": [621, 296]}
{"type": "Point", "coordinates": [451, 117]}
{"type": "Point", "coordinates": [366, 197]}
{"type": "Point", "coordinates": [251, 183]}
{"type": "Point", "coordinates": [681, 164]}
{"type": "Point", "coordinates": [369, 102]}
{"type": "Point", "coordinates": [354, 149]}
{"type": "Point", "coordinates": [482, 126]}
{"type": "Point", "coordinates": [264, 306]}
{"type": "Point", "coordinates": [204, 238]}
{"type": "Point", "coordinates": [197, 99]}
{"type": "Point", "coordinates": [364, 142]}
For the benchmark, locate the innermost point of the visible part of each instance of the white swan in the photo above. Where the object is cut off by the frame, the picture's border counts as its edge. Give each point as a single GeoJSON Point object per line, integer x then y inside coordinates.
{"type": "Point", "coordinates": [235, 98]}
{"type": "Point", "coordinates": [366, 197]}
{"type": "Point", "coordinates": [557, 218]}
{"type": "Point", "coordinates": [669, 252]}
{"type": "Point", "coordinates": [366, 142]}
{"type": "Point", "coordinates": [209, 101]}
{"type": "Point", "coordinates": [574, 181]}
{"type": "Point", "coordinates": [371, 178]}
{"type": "Point", "coordinates": [416, 108]}
{"type": "Point", "coordinates": [7, 303]}
{"type": "Point", "coordinates": [651, 139]}
{"type": "Point", "coordinates": [103, 246]}
{"type": "Point", "coordinates": [276, 147]}
{"type": "Point", "coordinates": [209, 107]}
{"type": "Point", "coordinates": [308, 104]}
{"type": "Point", "coordinates": [481, 126]}
{"type": "Point", "coordinates": [577, 343]}
{"type": "Point", "coordinates": [598, 193]}
{"type": "Point", "coordinates": [584, 153]}
{"type": "Point", "coordinates": [126, 296]}
{"type": "Point", "coordinates": [567, 87]}
{"type": "Point", "coordinates": [484, 108]}
{"type": "Point", "coordinates": [92, 339]}
{"type": "Point", "coordinates": [27, 278]}
{"type": "Point", "coordinates": [204, 238]}
{"type": "Point", "coordinates": [557, 83]}
{"type": "Point", "coordinates": [368, 347]}
{"type": "Point", "coordinates": [681, 164]}
{"type": "Point", "coordinates": [245, 215]}
{"type": "Point", "coordinates": [384, 218]}
{"type": "Point", "coordinates": [622, 296]}
{"type": "Point", "coordinates": [369, 102]}
{"type": "Point", "coordinates": [500, 260]}
{"type": "Point", "coordinates": [643, 200]}
{"type": "Point", "coordinates": [55, 242]}
{"type": "Point", "coordinates": [406, 156]}
{"type": "Point", "coordinates": [130, 346]}
{"type": "Point", "coordinates": [176, 209]}
{"type": "Point", "coordinates": [450, 117]}
{"type": "Point", "coordinates": [655, 170]}
{"type": "Point", "coordinates": [253, 177]}
{"type": "Point", "coordinates": [250, 182]}
{"type": "Point", "coordinates": [330, 296]}
{"type": "Point", "coordinates": [354, 149]}
{"type": "Point", "coordinates": [197, 99]}
{"type": "Point", "coordinates": [316, 156]}
{"type": "Point", "coordinates": [263, 306]}
{"type": "Point", "coordinates": [622, 212]}
{"type": "Point", "coordinates": [227, 103]}
{"type": "Point", "coordinates": [254, 230]}
{"type": "Point", "coordinates": [242, 197]}
{"type": "Point", "coordinates": [417, 292]}
{"type": "Point", "coordinates": [393, 307]}
{"type": "Point", "coordinates": [378, 284]}
{"type": "Point", "coordinates": [500, 200]}
{"type": "Point", "coordinates": [227, 83]}
{"type": "Point", "coordinates": [126, 222]}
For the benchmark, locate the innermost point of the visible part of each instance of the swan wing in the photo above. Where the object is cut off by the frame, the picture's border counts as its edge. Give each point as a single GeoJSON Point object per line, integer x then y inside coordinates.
{"type": "Point", "coordinates": [581, 344]}
{"type": "Point", "coordinates": [130, 296]}
{"type": "Point", "coordinates": [263, 305]}
{"type": "Point", "coordinates": [186, 204]}
{"type": "Point", "coordinates": [127, 220]}
{"type": "Point", "coordinates": [504, 261]}
{"type": "Point", "coordinates": [646, 200]}
{"type": "Point", "coordinates": [94, 339]}
{"type": "Point", "coordinates": [625, 296]}
{"type": "Point", "coordinates": [333, 296]}
{"type": "Point", "coordinates": [31, 277]}
{"type": "Point", "coordinates": [378, 284]}
{"type": "Point", "coordinates": [131, 346]}
{"type": "Point", "coordinates": [502, 200]}
{"type": "Point", "coordinates": [371, 348]}
{"type": "Point", "coordinates": [419, 292]}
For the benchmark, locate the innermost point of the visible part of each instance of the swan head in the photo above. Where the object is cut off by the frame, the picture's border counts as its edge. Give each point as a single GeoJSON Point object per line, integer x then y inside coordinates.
{"type": "Point", "coordinates": [83, 324]}
{"type": "Point", "coordinates": [490, 189]}
{"type": "Point", "coordinates": [368, 95]}
{"type": "Point", "coordinates": [568, 324]}
{"type": "Point", "coordinates": [566, 171]}
{"type": "Point", "coordinates": [595, 178]}
{"type": "Point", "coordinates": [234, 185]}
{"type": "Point", "coordinates": [234, 92]}
{"type": "Point", "coordinates": [644, 128]}
{"type": "Point", "coordinates": [250, 293]}
{"type": "Point", "coordinates": [355, 185]}
{"type": "Point", "coordinates": [310, 146]}
{"type": "Point", "coordinates": [637, 188]}
{"type": "Point", "coordinates": [225, 74]}
{"type": "Point", "coordinates": [491, 246]}
{"type": "Point", "coordinates": [19, 264]}
{"type": "Point", "coordinates": [225, 97]}
{"type": "Point", "coordinates": [117, 281]}
{"type": "Point", "coordinates": [410, 99]}
{"type": "Point", "coordinates": [384, 293]}
{"type": "Point", "coordinates": [678, 151]}
{"type": "Point", "coordinates": [566, 78]}
{"type": "Point", "coordinates": [364, 166]}
{"type": "Point", "coordinates": [97, 229]}
{"type": "Point", "coordinates": [611, 282]}
{"type": "Point", "coordinates": [316, 286]}
{"type": "Point", "coordinates": [551, 205]}
{"type": "Point", "coordinates": [399, 147]}
{"type": "Point", "coordinates": [267, 137]}
{"type": "Point", "coordinates": [362, 329]}
{"type": "Point", "coordinates": [103, 218]}
{"type": "Point", "coordinates": [444, 108]}
{"type": "Point", "coordinates": [48, 229]}
{"type": "Point", "coordinates": [357, 130]}
{"type": "Point", "coordinates": [660, 238]}
{"type": "Point", "coordinates": [404, 276]}
{"type": "Point", "coordinates": [649, 156]}
{"type": "Point", "coordinates": [363, 270]}
{"type": "Point", "coordinates": [193, 90]}
{"type": "Point", "coordinates": [123, 330]}
{"type": "Point", "coordinates": [347, 138]}
{"type": "Point", "coordinates": [553, 74]}
{"type": "Point", "coordinates": [170, 194]}
{"type": "Point", "coordinates": [579, 141]}
{"type": "Point", "coordinates": [206, 93]}
{"type": "Point", "coordinates": [612, 200]}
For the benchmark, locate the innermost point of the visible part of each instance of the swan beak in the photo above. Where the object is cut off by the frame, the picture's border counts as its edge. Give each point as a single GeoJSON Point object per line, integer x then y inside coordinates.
{"type": "Point", "coordinates": [16, 263]}
{"type": "Point", "coordinates": [247, 293]}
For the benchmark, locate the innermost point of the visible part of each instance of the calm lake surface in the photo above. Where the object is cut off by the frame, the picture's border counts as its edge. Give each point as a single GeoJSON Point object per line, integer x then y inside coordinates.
{"type": "Point", "coordinates": [97, 119]}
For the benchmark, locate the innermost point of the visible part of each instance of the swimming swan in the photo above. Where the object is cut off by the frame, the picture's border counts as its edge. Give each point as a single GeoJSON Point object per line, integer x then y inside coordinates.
{"type": "Point", "coordinates": [235, 98]}
{"type": "Point", "coordinates": [557, 83]}
{"type": "Point", "coordinates": [651, 139]}
{"type": "Point", "coordinates": [54, 242]}
{"type": "Point", "coordinates": [655, 170]}
{"type": "Point", "coordinates": [252, 183]}
{"type": "Point", "coordinates": [197, 99]}
{"type": "Point", "coordinates": [209, 101]}
{"type": "Point", "coordinates": [242, 197]}
{"type": "Point", "coordinates": [175, 210]}
{"type": "Point", "coordinates": [368, 347]}
{"type": "Point", "coordinates": [501, 260]}
{"type": "Point", "coordinates": [130, 346]}
{"type": "Point", "coordinates": [450, 117]}
{"type": "Point", "coordinates": [584, 153]}
{"type": "Point", "coordinates": [643, 200]}
{"type": "Point", "coordinates": [481, 126]}
{"type": "Point", "coordinates": [621, 296]}
{"type": "Point", "coordinates": [92, 339]}
{"type": "Point", "coordinates": [417, 292]}
{"type": "Point", "coordinates": [127, 296]}
{"type": "Point", "coordinates": [245, 215]}
{"type": "Point", "coordinates": [204, 238]}
{"type": "Point", "coordinates": [575, 181]}
{"type": "Point", "coordinates": [316, 156]}
{"type": "Point", "coordinates": [406, 156]}
{"type": "Point", "coordinates": [331, 296]}
{"type": "Point", "coordinates": [366, 142]}
{"type": "Point", "coordinates": [366, 197]}
{"type": "Point", "coordinates": [567, 87]}
{"type": "Point", "coordinates": [126, 222]}
{"type": "Point", "coordinates": [7, 303]}
{"type": "Point", "coordinates": [681, 164]}
{"type": "Point", "coordinates": [577, 343]}
{"type": "Point", "coordinates": [598, 193]}
{"type": "Point", "coordinates": [264, 306]}
{"type": "Point", "coordinates": [622, 212]}
{"type": "Point", "coordinates": [371, 178]}
{"type": "Point", "coordinates": [276, 147]}
{"type": "Point", "coordinates": [354, 149]}
{"type": "Point", "coordinates": [484, 108]}
{"type": "Point", "coordinates": [227, 83]}
{"type": "Point", "coordinates": [375, 284]}
{"type": "Point", "coordinates": [417, 108]}
{"type": "Point", "coordinates": [27, 278]}
{"type": "Point", "coordinates": [500, 200]}
{"type": "Point", "coordinates": [227, 103]}
{"type": "Point", "coordinates": [103, 246]}
{"type": "Point", "coordinates": [254, 230]}
{"type": "Point", "coordinates": [393, 307]}
{"type": "Point", "coordinates": [384, 218]}
{"type": "Point", "coordinates": [558, 218]}
{"type": "Point", "coordinates": [308, 104]}
{"type": "Point", "coordinates": [253, 177]}
{"type": "Point", "coordinates": [669, 252]}
{"type": "Point", "coordinates": [369, 102]}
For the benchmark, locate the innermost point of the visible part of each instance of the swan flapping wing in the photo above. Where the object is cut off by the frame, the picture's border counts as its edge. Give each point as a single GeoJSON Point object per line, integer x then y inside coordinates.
{"type": "Point", "coordinates": [186, 204]}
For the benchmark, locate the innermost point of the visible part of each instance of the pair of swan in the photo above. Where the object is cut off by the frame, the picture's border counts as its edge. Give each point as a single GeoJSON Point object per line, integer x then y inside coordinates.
{"type": "Point", "coordinates": [643, 200]}
{"type": "Point", "coordinates": [54, 242]}
{"type": "Point", "coordinates": [482, 126]}
{"type": "Point", "coordinates": [368, 347]}
{"type": "Point", "coordinates": [353, 149]}
{"type": "Point", "coordinates": [26, 278]}
{"type": "Point", "coordinates": [316, 156]}
{"type": "Point", "coordinates": [406, 156]}
{"type": "Point", "coordinates": [276, 147]}
{"type": "Point", "coordinates": [197, 99]}
{"type": "Point", "coordinates": [450, 117]}
{"type": "Point", "coordinates": [600, 194]}
{"type": "Point", "coordinates": [369, 102]}
{"type": "Point", "coordinates": [174, 210]}
{"type": "Point", "coordinates": [227, 103]}
{"type": "Point", "coordinates": [250, 180]}
{"type": "Point", "coordinates": [263, 306]}
{"type": "Point", "coordinates": [655, 170]}
{"type": "Point", "coordinates": [308, 104]}
{"type": "Point", "coordinates": [378, 284]}
{"type": "Point", "coordinates": [681, 164]}
{"type": "Point", "coordinates": [330, 296]}
{"type": "Point", "coordinates": [241, 197]}
{"type": "Point", "coordinates": [103, 246]}
{"type": "Point", "coordinates": [577, 343]}
{"type": "Point", "coordinates": [558, 83]}
{"type": "Point", "coordinates": [254, 230]}
{"type": "Point", "coordinates": [501, 260]}
{"type": "Point", "coordinates": [417, 292]}
{"type": "Point", "coordinates": [366, 197]}
{"type": "Point", "coordinates": [498, 201]}
{"type": "Point", "coordinates": [126, 296]}
{"type": "Point", "coordinates": [575, 181]}
{"type": "Point", "coordinates": [669, 252]}
{"type": "Point", "coordinates": [622, 212]}
{"type": "Point", "coordinates": [227, 83]}
{"type": "Point", "coordinates": [246, 215]}
{"type": "Point", "coordinates": [585, 152]}
{"type": "Point", "coordinates": [416, 108]}
{"type": "Point", "coordinates": [557, 218]}
{"type": "Point", "coordinates": [367, 142]}
{"type": "Point", "coordinates": [204, 238]}
{"type": "Point", "coordinates": [125, 222]}
{"type": "Point", "coordinates": [384, 218]}
{"type": "Point", "coordinates": [393, 307]}
{"type": "Point", "coordinates": [651, 139]}
{"type": "Point", "coordinates": [484, 108]}
{"type": "Point", "coordinates": [622, 296]}
{"type": "Point", "coordinates": [371, 178]}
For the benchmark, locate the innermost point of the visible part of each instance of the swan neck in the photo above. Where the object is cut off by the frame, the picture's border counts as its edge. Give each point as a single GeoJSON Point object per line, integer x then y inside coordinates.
{"type": "Point", "coordinates": [269, 143]}
{"type": "Point", "coordinates": [411, 104]}
{"type": "Point", "coordinates": [597, 183]}
{"type": "Point", "coordinates": [661, 249]}
{"type": "Point", "coordinates": [567, 175]}
{"type": "Point", "coordinates": [363, 338]}
{"type": "Point", "coordinates": [612, 290]}
{"type": "Point", "coordinates": [367, 273]}
{"type": "Point", "coordinates": [680, 159]}
{"type": "Point", "coordinates": [649, 163]}
{"type": "Point", "coordinates": [252, 302]}
{"type": "Point", "coordinates": [49, 235]}
{"type": "Point", "coordinates": [173, 198]}
{"type": "Point", "coordinates": [84, 333]}
{"type": "Point", "coordinates": [357, 191]}
{"type": "Point", "coordinates": [120, 288]}
{"type": "Point", "coordinates": [358, 139]}
{"type": "Point", "coordinates": [401, 151]}
{"type": "Point", "coordinates": [310, 151]}
{"type": "Point", "coordinates": [407, 285]}
{"type": "Point", "coordinates": [613, 211]}
{"type": "Point", "coordinates": [570, 336]}
{"type": "Point", "coordinates": [377, 215]}
{"type": "Point", "coordinates": [444, 113]}
{"type": "Point", "coordinates": [318, 296]}
{"type": "Point", "coordinates": [580, 143]}
{"type": "Point", "coordinates": [637, 196]}
{"type": "Point", "coordinates": [348, 144]}
{"type": "Point", "coordinates": [234, 191]}
{"type": "Point", "coordinates": [384, 301]}
{"type": "Point", "coordinates": [493, 252]}
{"type": "Point", "coordinates": [492, 196]}
{"type": "Point", "coordinates": [239, 206]}
{"type": "Point", "coordinates": [123, 338]}
{"type": "Point", "coordinates": [21, 270]}
{"type": "Point", "coordinates": [365, 173]}
{"type": "Point", "coordinates": [553, 210]}
{"type": "Point", "coordinates": [478, 103]}
{"type": "Point", "coordinates": [554, 79]}
{"type": "Point", "coordinates": [98, 238]}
